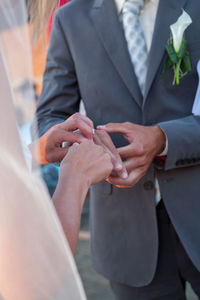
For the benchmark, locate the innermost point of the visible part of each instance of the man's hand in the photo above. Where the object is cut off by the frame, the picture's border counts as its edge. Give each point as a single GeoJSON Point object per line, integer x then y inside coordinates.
{"type": "Point", "coordinates": [145, 143]}
{"type": "Point", "coordinates": [49, 147]}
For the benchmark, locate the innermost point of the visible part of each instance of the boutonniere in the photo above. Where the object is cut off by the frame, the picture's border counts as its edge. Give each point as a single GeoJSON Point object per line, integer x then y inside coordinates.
{"type": "Point", "coordinates": [178, 57]}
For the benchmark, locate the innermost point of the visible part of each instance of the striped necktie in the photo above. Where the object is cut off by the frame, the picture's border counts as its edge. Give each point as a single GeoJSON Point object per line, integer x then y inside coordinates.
{"type": "Point", "coordinates": [135, 39]}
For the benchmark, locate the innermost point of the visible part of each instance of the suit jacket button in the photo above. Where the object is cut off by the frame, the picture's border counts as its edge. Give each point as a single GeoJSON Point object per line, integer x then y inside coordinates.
{"type": "Point", "coordinates": [148, 185]}
{"type": "Point", "coordinates": [188, 161]}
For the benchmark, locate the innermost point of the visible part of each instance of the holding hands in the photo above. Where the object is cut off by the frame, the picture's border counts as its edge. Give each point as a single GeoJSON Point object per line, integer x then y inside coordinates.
{"type": "Point", "coordinates": [78, 129]}
{"type": "Point", "coordinates": [145, 142]}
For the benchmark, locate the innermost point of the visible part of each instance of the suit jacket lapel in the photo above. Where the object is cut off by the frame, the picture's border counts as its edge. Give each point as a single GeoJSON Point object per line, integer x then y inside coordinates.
{"type": "Point", "coordinates": [106, 22]}
{"type": "Point", "coordinates": [168, 12]}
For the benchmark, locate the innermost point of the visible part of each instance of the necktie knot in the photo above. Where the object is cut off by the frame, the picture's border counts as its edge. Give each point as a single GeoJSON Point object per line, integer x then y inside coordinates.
{"type": "Point", "coordinates": [133, 6]}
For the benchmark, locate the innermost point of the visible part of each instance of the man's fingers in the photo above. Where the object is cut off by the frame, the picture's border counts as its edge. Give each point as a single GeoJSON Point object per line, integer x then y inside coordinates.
{"type": "Point", "coordinates": [82, 117]}
{"type": "Point", "coordinates": [133, 178]}
{"type": "Point", "coordinates": [126, 151]}
{"type": "Point", "coordinates": [134, 163]}
{"type": "Point", "coordinates": [74, 124]}
{"type": "Point", "coordinates": [56, 155]}
{"type": "Point", "coordinates": [130, 150]}
{"type": "Point", "coordinates": [50, 146]}
{"type": "Point", "coordinates": [73, 137]}
{"type": "Point", "coordinates": [85, 129]}
{"type": "Point", "coordinates": [114, 128]}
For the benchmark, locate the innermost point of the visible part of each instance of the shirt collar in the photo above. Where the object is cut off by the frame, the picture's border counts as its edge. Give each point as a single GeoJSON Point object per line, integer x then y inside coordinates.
{"type": "Point", "coordinates": [120, 3]}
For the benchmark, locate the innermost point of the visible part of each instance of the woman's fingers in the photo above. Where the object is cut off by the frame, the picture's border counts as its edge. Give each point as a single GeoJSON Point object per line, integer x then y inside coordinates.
{"type": "Point", "coordinates": [102, 138]}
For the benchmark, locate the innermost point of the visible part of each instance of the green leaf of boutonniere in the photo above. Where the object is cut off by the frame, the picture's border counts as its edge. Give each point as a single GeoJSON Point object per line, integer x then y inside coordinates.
{"type": "Point", "coordinates": [178, 57]}
{"type": "Point", "coordinates": [186, 62]}
{"type": "Point", "coordinates": [167, 64]}
{"type": "Point", "coordinates": [171, 53]}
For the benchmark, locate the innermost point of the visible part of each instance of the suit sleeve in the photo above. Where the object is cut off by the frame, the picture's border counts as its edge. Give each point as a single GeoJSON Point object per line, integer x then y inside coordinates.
{"type": "Point", "coordinates": [60, 96]}
{"type": "Point", "coordinates": [183, 142]}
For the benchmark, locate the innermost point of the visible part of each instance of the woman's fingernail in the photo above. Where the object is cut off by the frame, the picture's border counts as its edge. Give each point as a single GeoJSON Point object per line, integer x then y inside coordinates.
{"type": "Point", "coordinates": [124, 175]}
{"type": "Point", "coordinates": [118, 166]}
{"type": "Point", "coordinates": [93, 130]}
{"type": "Point", "coordinates": [101, 126]}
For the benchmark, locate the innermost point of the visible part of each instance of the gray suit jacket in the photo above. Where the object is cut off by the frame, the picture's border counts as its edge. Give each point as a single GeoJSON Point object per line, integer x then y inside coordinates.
{"type": "Point", "coordinates": [88, 59]}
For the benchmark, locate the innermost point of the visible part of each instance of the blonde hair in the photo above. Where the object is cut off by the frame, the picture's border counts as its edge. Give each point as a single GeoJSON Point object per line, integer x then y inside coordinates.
{"type": "Point", "coordinates": [39, 12]}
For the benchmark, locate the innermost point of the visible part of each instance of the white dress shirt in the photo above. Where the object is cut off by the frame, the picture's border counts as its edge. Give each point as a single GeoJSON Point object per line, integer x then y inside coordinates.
{"type": "Point", "coordinates": [147, 20]}
{"type": "Point", "coordinates": [196, 105]}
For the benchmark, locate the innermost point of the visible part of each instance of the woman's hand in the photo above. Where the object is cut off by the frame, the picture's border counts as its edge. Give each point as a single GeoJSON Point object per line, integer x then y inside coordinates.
{"type": "Point", "coordinates": [84, 164]}
{"type": "Point", "coordinates": [87, 162]}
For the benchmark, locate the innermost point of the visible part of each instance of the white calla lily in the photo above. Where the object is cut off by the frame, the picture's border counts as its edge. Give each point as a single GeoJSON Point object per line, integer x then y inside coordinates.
{"type": "Point", "coordinates": [179, 28]}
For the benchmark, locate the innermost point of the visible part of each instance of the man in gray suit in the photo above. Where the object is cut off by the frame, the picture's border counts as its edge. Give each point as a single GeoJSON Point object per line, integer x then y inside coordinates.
{"type": "Point", "coordinates": [145, 238]}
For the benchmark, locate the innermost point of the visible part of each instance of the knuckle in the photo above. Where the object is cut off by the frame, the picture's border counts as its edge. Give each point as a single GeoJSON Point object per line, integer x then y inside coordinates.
{"type": "Point", "coordinates": [102, 132]}
{"type": "Point", "coordinates": [128, 124]}
{"type": "Point", "coordinates": [76, 120]}
{"type": "Point", "coordinates": [57, 126]}
{"type": "Point", "coordinates": [76, 115]}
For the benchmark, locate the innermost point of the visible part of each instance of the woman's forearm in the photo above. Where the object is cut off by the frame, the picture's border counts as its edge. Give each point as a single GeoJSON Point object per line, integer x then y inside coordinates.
{"type": "Point", "coordinates": [68, 200]}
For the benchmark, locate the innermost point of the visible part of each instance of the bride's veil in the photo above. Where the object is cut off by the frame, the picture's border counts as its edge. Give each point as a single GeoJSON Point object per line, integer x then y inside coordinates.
{"type": "Point", "coordinates": [35, 260]}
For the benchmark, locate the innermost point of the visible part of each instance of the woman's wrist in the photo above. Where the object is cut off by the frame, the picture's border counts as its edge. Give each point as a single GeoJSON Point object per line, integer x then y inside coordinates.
{"type": "Point", "coordinates": [73, 183]}
{"type": "Point", "coordinates": [71, 171]}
